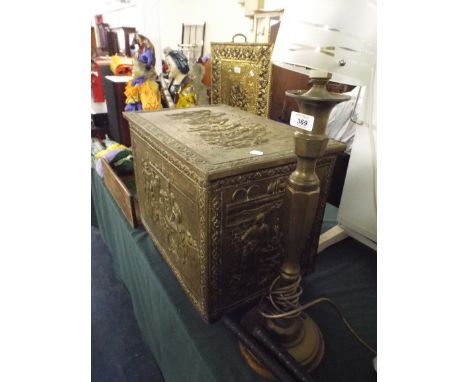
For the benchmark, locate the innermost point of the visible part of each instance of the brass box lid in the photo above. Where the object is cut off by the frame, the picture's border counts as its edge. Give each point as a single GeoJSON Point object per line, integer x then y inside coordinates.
{"type": "Point", "coordinates": [220, 140]}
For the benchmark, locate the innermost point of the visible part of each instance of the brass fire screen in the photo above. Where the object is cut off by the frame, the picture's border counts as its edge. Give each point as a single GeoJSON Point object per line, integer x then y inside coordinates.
{"type": "Point", "coordinates": [241, 76]}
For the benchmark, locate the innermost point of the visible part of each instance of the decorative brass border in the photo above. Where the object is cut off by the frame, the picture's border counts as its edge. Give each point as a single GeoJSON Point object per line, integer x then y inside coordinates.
{"type": "Point", "coordinates": [230, 54]}
{"type": "Point", "coordinates": [202, 201]}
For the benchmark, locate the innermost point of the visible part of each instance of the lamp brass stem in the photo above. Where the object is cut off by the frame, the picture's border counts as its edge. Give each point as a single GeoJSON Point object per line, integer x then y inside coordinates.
{"type": "Point", "coordinates": [303, 187]}
{"type": "Point", "coordinates": [300, 335]}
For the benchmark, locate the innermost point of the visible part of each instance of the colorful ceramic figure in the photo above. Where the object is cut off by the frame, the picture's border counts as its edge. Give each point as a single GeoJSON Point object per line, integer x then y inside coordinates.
{"type": "Point", "coordinates": [181, 85]}
{"type": "Point", "coordinates": [143, 91]}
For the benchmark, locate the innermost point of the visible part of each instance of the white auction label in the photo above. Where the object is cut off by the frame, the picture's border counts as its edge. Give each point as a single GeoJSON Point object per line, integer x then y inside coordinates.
{"type": "Point", "coordinates": [256, 152]}
{"type": "Point", "coordinates": [303, 121]}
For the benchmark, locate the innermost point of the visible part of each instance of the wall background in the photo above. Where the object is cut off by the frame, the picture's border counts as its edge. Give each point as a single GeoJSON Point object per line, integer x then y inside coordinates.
{"type": "Point", "coordinates": [161, 21]}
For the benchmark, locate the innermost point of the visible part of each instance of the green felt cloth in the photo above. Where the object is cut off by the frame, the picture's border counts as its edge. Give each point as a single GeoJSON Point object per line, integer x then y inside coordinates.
{"type": "Point", "coordinates": [187, 349]}
{"type": "Point", "coordinates": [94, 221]}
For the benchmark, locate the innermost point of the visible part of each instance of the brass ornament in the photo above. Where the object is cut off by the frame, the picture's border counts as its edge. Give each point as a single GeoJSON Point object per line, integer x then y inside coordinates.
{"type": "Point", "coordinates": [209, 207]}
{"type": "Point", "coordinates": [241, 76]}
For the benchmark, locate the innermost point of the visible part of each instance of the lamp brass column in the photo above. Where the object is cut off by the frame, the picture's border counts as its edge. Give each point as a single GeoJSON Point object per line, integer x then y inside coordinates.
{"type": "Point", "coordinates": [296, 331]}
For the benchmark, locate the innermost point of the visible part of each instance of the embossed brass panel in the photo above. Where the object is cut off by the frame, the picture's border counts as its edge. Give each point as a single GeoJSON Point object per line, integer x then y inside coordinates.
{"type": "Point", "coordinates": [241, 76]}
{"type": "Point", "coordinates": [212, 207]}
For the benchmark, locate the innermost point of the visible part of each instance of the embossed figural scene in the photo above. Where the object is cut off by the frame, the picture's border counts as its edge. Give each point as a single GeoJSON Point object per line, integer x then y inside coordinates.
{"type": "Point", "coordinates": [211, 182]}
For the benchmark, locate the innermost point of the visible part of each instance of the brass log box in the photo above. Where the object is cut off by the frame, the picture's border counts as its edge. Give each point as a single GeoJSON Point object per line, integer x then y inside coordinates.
{"type": "Point", "coordinates": [210, 184]}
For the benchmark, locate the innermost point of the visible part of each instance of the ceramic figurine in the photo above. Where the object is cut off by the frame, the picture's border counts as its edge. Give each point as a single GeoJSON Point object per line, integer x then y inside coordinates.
{"type": "Point", "coordinates": [181, 84]}
{"type": "Point", "coordinates": [142, 91]}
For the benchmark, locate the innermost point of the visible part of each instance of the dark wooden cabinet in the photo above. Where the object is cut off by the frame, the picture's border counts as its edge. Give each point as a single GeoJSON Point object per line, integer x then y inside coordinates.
{"type": "Point", "coordinates": [123, 40]}
{"type": "Point", "coordinates": [281, 106]}
{"type": "Point", "coordinates": [114, 88]}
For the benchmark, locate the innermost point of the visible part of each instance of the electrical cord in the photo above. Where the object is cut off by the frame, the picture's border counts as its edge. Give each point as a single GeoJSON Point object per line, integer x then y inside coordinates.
{"type": "Point", "coordinates": [286, 297]}
{"type": "Point", "coordinates": [283, 298]}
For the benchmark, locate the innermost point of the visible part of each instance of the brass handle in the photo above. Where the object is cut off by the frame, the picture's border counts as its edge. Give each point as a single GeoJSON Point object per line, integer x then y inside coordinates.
{"type": "Point", "coordinates": [239, 34]}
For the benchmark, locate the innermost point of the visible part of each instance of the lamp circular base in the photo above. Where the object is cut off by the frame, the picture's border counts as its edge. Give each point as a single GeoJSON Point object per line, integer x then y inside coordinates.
{"type": "Point", "coordinates": [308, 352]}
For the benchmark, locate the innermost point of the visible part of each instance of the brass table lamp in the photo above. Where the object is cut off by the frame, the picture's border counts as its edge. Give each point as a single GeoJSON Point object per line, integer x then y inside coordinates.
{"type": "Point", "coordinates": [318, 38]}
{"type": "Point", "coordinates": [297, 331]}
